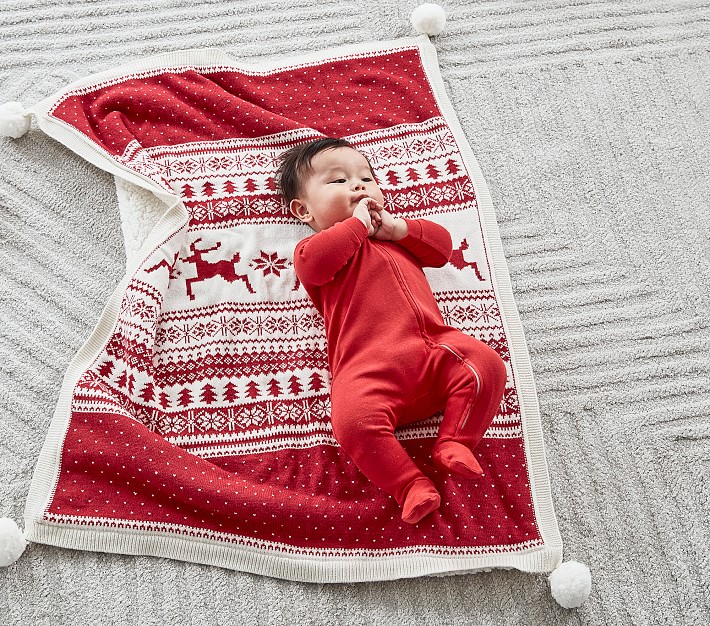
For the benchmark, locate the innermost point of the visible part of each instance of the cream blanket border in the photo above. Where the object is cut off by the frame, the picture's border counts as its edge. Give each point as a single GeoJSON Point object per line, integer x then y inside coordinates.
{"type": "Point", "coordinates": [174, 219]}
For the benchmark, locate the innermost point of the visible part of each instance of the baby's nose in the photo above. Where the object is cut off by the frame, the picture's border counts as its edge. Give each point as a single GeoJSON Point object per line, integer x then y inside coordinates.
{"type": "Point", "coordinates": [359, 185]}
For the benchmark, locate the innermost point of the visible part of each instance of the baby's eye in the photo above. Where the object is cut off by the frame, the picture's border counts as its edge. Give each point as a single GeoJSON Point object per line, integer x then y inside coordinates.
{"type": "Point", "coordinates": [367, 180]}
{"type": "Point", "coordinates": [338, 180]}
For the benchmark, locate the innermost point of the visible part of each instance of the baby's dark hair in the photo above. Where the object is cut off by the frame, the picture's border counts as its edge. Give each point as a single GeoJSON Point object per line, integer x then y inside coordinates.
{"type": "Point", "coordinates": [296, 164]}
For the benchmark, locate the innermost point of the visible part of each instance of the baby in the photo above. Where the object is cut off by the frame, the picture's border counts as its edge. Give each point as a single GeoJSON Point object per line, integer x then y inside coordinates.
{"type": "Point", "coordinates": [392, 358]}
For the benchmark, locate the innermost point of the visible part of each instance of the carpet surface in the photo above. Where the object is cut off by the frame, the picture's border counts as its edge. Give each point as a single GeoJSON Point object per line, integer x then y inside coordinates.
{"type": "Point", "coordinates": [590, 122]}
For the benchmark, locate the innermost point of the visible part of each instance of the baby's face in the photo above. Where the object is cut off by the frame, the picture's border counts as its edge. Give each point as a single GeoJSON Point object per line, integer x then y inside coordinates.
{"type": "Point", "coordinates": [339, 179]}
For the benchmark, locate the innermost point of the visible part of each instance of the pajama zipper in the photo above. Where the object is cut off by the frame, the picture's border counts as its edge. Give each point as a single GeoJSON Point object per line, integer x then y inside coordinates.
{"type": "Point", "coordinates": [407, 292]}
{"type": "Point", "coordinates": [420, 320]}
{"type": "Point", "coordinates": [478, 384]}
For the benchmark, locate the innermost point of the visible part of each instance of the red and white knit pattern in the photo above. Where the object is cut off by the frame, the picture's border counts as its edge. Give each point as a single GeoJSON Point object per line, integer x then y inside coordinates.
{"type": "Point", "coordinates": [206, 412]}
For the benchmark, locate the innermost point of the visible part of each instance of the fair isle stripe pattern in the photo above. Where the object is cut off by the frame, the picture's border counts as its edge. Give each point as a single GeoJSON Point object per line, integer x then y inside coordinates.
{"type": "Point", "coordinates": [234, 367]}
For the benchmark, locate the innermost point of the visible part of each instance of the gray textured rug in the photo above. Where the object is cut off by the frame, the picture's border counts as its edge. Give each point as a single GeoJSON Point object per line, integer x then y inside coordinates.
{"type": "Point", "coordinates": [590, 121]}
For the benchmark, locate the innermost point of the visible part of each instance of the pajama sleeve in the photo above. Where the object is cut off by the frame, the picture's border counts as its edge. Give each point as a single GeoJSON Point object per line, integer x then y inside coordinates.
{"type": "Point", "coordinates": [428, 241]}
{"type": "Point", "coordinates": [318, 258]}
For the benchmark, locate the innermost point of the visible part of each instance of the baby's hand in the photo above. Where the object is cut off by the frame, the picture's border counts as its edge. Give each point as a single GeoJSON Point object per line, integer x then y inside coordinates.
{"type": "Point", "coordinates": [389, 228]}
{"type": "Point", "coordinates": [365, 215]}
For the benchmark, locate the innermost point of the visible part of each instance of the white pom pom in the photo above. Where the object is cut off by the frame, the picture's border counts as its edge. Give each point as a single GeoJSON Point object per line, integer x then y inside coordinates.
{"type": "Point", "coordinates": [428, 19]}
{"type": "Point", "coordinates": [14, 120]}
{"type": "Point", "coordinates": [571, 584]}
{"type": "Point", "coordinates": [12, 542]}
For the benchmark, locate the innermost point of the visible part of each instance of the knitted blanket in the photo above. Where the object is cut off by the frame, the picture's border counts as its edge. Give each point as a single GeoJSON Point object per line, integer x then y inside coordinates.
{"type": "Point", "coordinates": [194, 422]}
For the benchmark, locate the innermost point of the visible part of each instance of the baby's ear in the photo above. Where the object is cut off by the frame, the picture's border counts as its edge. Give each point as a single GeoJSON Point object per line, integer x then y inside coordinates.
{"type": "Point", "coordinates": [300, 211]}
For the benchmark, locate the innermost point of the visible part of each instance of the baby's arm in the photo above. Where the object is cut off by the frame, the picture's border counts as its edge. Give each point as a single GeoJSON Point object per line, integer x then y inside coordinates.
{"type": "Point", "coordinates": [428, 241]}
{"type": "Point", "coordinates": [320, 257]}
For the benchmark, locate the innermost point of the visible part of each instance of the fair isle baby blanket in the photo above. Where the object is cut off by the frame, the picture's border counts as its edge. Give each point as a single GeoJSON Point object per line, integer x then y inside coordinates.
{"type": "Point", "coordinates": [194, 422]}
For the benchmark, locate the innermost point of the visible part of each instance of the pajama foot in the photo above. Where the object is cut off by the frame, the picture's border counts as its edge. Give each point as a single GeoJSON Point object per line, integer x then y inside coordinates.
{"type": "Point", "coordinates": [456, 458]}
{"type": "Point", "coordinates": [422, 499]}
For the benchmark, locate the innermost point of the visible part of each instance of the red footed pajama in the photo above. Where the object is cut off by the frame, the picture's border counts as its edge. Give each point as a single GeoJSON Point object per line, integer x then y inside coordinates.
{"type": "Point", "coordinates": [393, 359]}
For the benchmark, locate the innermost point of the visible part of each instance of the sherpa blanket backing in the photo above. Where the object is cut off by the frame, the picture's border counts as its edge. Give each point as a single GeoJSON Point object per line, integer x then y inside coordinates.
{"type": "Point", "coordinates": [194, 422]}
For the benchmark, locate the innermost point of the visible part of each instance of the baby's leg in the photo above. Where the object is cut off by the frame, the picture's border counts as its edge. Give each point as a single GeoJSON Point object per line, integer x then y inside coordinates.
{"type": "Point", "coordinates": [475, 375]}
{"type": "Point", "coordinates": [363, 424]}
